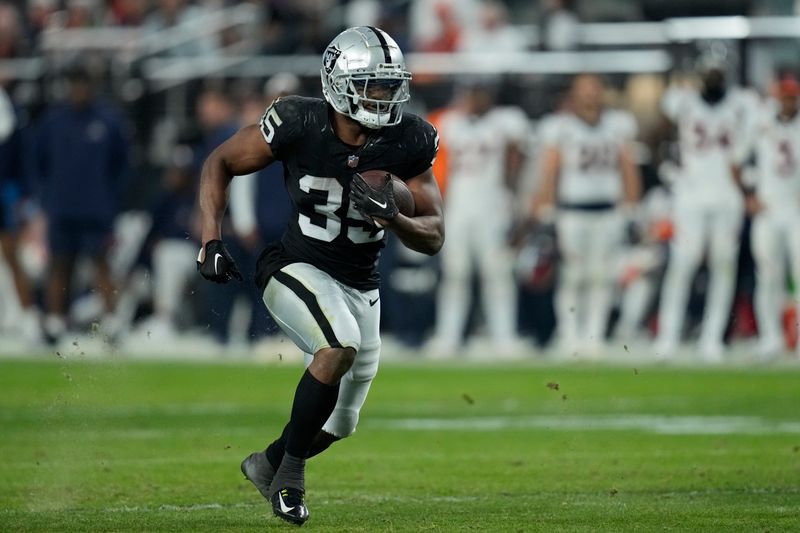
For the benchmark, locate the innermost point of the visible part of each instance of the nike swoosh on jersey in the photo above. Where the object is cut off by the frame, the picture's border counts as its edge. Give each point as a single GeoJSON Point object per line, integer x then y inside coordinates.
{"type": "Point", "coordinates": [376, 202]}
{"type": "Point", "coordinates": [373, 302]}
{"type": "Point", "coordinates": [284, 508]}
{"type": "Point", "coordinates": [217, 257]}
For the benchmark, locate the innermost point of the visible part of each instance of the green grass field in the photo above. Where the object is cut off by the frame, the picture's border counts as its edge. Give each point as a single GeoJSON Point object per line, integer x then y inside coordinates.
{"type": "Point", "coordinates": [143, 446]}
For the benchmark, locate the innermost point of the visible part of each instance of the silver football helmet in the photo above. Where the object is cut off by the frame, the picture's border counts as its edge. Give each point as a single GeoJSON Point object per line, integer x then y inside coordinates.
{"type": "Point", "coordinates": [364, 77]}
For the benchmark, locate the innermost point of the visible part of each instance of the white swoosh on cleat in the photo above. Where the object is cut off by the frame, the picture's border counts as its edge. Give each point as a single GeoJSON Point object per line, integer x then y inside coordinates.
{"type": "Point", "coordinates": [284, 509]}
{"type": "Point", "coordinates": [217, 257]}
{"type": "Point", "coordinates": [376, 202]}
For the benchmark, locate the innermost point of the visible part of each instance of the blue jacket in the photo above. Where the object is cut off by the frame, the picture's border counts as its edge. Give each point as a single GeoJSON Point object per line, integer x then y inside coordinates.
{"type": "Point", "coordinates": [209, 143]}
{"type": "Point", "coordinates": [172, 215]}
{"type": "Point", "coordinates": [80, 163]}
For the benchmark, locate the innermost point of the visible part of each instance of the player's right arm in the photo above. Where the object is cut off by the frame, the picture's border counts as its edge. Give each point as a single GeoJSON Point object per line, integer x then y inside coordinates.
{"type": "Point", "coordinates": [244, 153]}
{"type": "Point", "coordinates": [755, 118]}
{"type": "Point", "coordinates": [629, 169]}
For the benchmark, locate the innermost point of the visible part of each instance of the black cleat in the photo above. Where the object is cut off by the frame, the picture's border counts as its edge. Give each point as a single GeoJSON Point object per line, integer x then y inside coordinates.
{"type": "Point", "coordinates": [289, 504]}
{"type": "Point", "coordinates": [258, 470]}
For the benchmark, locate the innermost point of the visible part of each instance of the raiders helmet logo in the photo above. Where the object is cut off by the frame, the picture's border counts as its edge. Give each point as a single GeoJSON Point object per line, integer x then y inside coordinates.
{"type": "Point", "coordinates": [329, 58]}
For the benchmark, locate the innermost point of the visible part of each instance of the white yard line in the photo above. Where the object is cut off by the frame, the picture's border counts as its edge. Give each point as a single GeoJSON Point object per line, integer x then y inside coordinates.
{"type": "Point", "coordinates": [663, 425]}
{"type": "Point", "coordinates": [181, 508]}
{"type": "Point", "coordinates": [655, 424]}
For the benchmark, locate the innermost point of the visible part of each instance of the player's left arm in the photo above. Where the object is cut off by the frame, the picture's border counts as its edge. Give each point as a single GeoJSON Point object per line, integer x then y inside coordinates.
{"type": "Point", "coordinates": [515, 159]}
{"type": "Point", "coordinates": [516, 127]}
{"type": "Point", "coordinates": [631, 177]}
{"type": "Point", "coordinates": [424, 232]}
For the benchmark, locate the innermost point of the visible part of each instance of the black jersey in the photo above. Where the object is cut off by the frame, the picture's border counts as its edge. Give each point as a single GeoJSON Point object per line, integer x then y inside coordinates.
{"type": "Point", "coordinates": [325, 229]}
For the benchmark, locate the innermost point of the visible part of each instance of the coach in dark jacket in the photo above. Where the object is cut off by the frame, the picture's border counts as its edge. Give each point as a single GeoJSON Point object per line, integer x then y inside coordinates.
{"type": "Point", "coordinates": [81, 160]}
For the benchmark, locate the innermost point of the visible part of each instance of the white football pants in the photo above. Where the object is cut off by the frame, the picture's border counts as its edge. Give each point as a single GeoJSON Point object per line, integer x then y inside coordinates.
{"type": "Point", "coordinates": [774, 236]}
{"type": "Point", "coordinates": [588, 243]}
{"type": "Point", "coordinates": [477, 236]}
{"type": "Point", "coordinates": [697, 229]}
{"type": "Point", "coordinates": [316, 312]}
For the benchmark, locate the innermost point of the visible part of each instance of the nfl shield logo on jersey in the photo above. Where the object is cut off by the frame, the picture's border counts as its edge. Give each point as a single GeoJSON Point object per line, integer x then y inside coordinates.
{"type": "Point", "coordinates": [352, 161]}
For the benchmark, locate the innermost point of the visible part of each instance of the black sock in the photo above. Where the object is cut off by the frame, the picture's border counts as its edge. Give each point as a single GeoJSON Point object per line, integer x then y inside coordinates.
{"type": "Point", "coordinates": [291, 473]}
{"type": "Point", "coordinates": [313, 404]}
{"type": "Point", "coordinates": [321, 443]}
{"type": "Point", "coordinates": [277, 448]}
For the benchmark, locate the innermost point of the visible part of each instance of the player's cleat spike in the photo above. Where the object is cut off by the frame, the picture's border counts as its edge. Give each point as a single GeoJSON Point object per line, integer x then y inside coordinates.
{"type": "Point", "coordinates": [289, 504]}
{"type": "Point", "coordinates": [258, 470]}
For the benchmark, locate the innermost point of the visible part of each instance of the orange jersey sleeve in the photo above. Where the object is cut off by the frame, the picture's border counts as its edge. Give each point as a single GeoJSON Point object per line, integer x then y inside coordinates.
{"type": "Point", "coordinates": [440, 167]}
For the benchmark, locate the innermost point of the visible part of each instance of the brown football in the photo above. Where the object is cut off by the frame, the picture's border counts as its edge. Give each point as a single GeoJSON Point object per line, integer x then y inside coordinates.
{"type": "Point", "coordinates": [402, 195]}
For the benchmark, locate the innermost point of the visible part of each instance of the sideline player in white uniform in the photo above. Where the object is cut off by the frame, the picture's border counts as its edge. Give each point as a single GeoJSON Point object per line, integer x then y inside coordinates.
{"type": "Point", "coordinates": [708, 206]}
{"type": "Point", "coordinates": [589, 176]}
{"type": "Point", "coordinates": [320, 280]}
{"type": "Point", "coordinates": [776, 209]}
{"type": "Point", "coordinates": [484, 145]}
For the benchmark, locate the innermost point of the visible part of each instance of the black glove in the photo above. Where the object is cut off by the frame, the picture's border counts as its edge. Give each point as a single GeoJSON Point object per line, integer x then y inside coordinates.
{"type": "Point", "coordinates": [218, 265]}
{"type": "Point", "coordinates": [371, 202]}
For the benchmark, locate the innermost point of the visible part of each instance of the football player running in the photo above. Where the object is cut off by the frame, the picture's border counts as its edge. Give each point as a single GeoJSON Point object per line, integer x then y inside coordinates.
{"type": "Point", "coordinates": [590, 182]}
{"type": "Point", "coordinates": [320, 282]}
{"type": "Point", "coordinates": [775, 205]}
{"type": "Point", "coordinates": [708, 206]}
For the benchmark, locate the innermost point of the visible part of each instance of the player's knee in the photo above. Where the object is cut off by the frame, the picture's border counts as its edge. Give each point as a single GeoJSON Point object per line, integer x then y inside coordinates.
{"type": "Point", "coordinates": [455, 271]}
{"type": "Point", "coordinates": [342, 423]}
{"type": "Point", "coordinates": [571, 273]}
{"type": "Point", "coordinates": [330, 364]}
{"type": "Point", "coordinates": [724, 258]}
{"type": "Point", "coordinates": [685, 262]}
{"type": "Point", "coordinates": [367, 367]}
{"type": "Point", "coordinates": [767, 273]}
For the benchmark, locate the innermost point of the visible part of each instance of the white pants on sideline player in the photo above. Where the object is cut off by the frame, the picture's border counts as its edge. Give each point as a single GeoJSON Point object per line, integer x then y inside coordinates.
{"type": "Point", "coordinates": [10, 309]}
{"type": "Point", "coordinates": [316, 312]}
{"type": "Point", "coordinates": [774, 236]}
{"type": "Point", "coordinates": [716, 229]}
{"type": "Point", "coordinates": [638, 271]}
{"type": "Point", "coordinates": [173, 267]}
{"type": "Point", "coordinates": [477, 237]}
{"type": "Point", "coordinates": [588, 243]}
{"type": "Point", "coordinates": [14, 319]}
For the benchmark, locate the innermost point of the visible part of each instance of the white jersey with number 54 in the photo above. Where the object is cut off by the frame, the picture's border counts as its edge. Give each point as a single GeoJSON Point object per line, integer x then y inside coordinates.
{"type": "Point", "coordinates": [712, 137]}
{"type": "Point", "coordinates": [590, 155]}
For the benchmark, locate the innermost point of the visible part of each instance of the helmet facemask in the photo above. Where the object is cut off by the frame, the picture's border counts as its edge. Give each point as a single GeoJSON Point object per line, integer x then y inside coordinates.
{"type": "Point", "coordinates": [377, 102]}
{"type": "Point", "coordinates": [373, 98]}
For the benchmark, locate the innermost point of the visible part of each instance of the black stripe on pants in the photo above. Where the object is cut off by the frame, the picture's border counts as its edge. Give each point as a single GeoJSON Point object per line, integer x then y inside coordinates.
{"type": "Point", "coordinates": [310, 300]}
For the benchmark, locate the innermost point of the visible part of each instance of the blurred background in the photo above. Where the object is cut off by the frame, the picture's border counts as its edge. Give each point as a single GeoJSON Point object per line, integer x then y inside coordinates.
{"type": "Point", "coordinates": [109, 107]}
